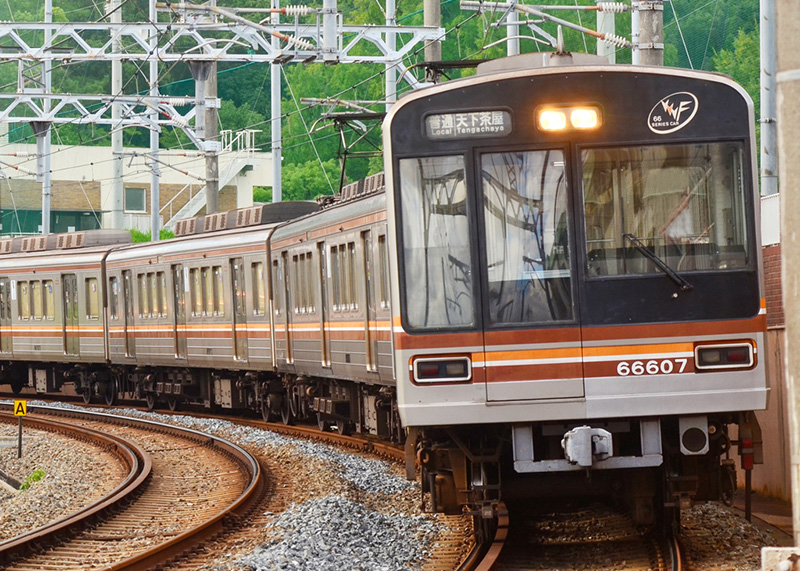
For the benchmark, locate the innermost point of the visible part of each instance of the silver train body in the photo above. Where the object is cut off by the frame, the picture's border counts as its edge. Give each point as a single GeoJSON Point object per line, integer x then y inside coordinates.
{"type": "Point", "coordinates": [561, 277]}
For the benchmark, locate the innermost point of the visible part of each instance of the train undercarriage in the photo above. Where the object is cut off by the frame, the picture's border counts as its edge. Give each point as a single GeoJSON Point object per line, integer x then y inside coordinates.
{"type": "Point", "coordinates": [345, 406]}
{"type": "Point", "coordinates": [654, 468]}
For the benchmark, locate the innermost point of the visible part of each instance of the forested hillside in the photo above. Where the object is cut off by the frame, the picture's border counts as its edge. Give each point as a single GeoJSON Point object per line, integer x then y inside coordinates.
{"type": "Point", "coordinates": [720, 35]}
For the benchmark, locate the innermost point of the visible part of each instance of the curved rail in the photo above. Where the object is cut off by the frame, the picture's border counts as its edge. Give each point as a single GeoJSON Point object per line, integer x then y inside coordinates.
{"type": "Point", "coordinates": [135, 458]}
{"type": "Point", "coordinates": [189, 539]}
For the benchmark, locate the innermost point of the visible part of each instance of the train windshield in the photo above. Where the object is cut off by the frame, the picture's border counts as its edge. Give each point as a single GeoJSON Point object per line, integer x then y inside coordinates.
{"type": "Point", "coordinates": [436, 243]}
{"type": "Point", "coordinates": [683, 203]}
{"type": "Point", "coordinates": [526, 231]}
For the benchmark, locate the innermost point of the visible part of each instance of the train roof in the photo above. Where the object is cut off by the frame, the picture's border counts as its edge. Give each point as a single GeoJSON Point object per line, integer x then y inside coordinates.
{"type": "Point", "coordinates": [332, 217]}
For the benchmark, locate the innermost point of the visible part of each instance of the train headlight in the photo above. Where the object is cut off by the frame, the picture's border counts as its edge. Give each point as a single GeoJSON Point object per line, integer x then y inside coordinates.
{"type": "Point", "coordinates": [724, 356]}
{"type": "Point", "coordinates": [578, 118]}
{"type": "Point", "coordinates": [584, 118]}
{"type": "Point", "coordinates": [441, 369]}
{"type": "Point", "coordinates": [552, 120]}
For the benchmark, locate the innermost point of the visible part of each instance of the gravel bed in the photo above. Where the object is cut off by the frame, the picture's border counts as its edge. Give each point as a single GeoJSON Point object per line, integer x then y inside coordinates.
{"type": "Point", "coordinates": [59, 492]}
{"type": "Point", "coordinates": [718, 538]}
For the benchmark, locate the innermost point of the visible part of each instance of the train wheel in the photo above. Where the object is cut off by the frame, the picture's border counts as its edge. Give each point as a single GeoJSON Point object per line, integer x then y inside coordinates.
{"type": "Point", "coordinates": [172, 403]}
{"type": "Point", "coordinates": [323, 424]}
{"type": "Point", "coordinates": [343, 427]}
{"type": "Point", "coordinates": [286, 412]}
{"type": "Point", "coordinates": [16, 387]}
{"type": "Point", "coordinates": [150, 400]}
{"type": "Point", "coordinates": [87, 396]}
{"type": "Point", "coordinates": [111, 393]}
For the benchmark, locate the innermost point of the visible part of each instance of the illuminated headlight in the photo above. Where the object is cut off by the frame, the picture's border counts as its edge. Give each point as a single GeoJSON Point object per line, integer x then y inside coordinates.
{"type": "Point", "coordinates": [442, 370]}
{"type": "Point", "coordinates": [552, 120]}
{"type": "Point", "coordinates": [727, 356]}
{"type": "Point", "coordinates": [584, 118]}
{"type": "Point", "coordinates": [576, 118]}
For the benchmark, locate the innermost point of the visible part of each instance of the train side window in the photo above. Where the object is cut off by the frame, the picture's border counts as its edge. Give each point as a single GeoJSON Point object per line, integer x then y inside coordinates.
{"type": "Point", "coordinates": [113, 297]}
{"type": "Point", "coordinates": [298, 299]}
{"type": "Point", "coordinates": [24, 300]}
{"type": "Point", "coordinates": [92, 299]}
{"type": "Point", "coordinates": [335, 283]}
{"type": "Point", "coordinates": [197, 291]}
{"type": "Point", "coordinates": [144, 307]}
{"type": "Point", "coordinates": [219, 291]}
{"type": "Point", "coordinates": [36, 299]}
{"type": "Point", "coordinates": [152, 293]}
{"type": "Point", "coordinates": [161, 278]}
{"type": "Point", "coordinates": [351, 277]}
{"type": "Point", "coordinates": [208, 291]}
{"type": "Point", "coordinates": [384, 272]}
{"type": "Point", "coordinates": [275, 288]}
{"type": "Point", "coordinates": [260, 297]}
{"type": "Point", "coordinates": [311, 297]}
{"type": "Point", "coordinates": [49, 299]}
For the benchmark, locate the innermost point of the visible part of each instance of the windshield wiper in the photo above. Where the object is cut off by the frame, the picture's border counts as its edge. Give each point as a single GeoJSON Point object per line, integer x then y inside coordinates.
{"type": "Point", "coordinates": [661, 264]}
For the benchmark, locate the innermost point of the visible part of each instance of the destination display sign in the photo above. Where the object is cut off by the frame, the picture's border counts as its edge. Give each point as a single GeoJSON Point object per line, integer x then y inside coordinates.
{"type": "Point", "coordinates": [467, 124]}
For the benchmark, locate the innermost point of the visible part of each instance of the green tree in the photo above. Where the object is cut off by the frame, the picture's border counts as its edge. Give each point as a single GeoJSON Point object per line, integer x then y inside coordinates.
{"type": "Point", "coordinates": [742, 63]}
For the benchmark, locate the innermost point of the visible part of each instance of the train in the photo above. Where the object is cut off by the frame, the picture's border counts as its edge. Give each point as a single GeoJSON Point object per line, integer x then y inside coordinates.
{"type": "Point", "coordinates": [554, 287]}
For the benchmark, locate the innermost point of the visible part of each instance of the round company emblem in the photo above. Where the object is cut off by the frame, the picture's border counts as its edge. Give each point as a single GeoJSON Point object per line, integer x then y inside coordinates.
{"type": "Point", "coordinates": [672, 113]}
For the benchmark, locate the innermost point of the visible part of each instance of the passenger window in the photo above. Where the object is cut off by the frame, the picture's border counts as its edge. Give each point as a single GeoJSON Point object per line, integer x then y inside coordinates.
{"type": "Point", "coordinates": [275, 286]}
{"type": "Point", "coordinates": [113, 297]}
{"type": "Point", "coordinates": [384, 272]}
{"type": "Point", "coordinates": [36, 299]}
{"type": "Point", "coordinates": [351, 276]}
{"type": "Point", "coordinates": [24, 300]}
{"type": "Point", "coordinates": [92, 299]}
{"type": "Point", "coordinates": [49, 299]}
{"type": "Point", "coordinates": [335, 281]}
{"type": "Point", "coordinates": [260, 298]}
{"type": "Point", "coordinates": [197, 291]}
{"type": "Point", "coordinates": [161, 279]}
{"type": "Point", "coordinates": [219, 292]}
{"type": "Point", "coordinates": [144, 300]}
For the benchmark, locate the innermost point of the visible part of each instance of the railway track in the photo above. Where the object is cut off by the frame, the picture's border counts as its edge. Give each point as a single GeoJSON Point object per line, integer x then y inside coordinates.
{"type": "Point", "coordinates": [452, 547]}
{"type": "Point", "coordinates": [183, 488]}
{"type": "Point", "coordinates": [588, 538]}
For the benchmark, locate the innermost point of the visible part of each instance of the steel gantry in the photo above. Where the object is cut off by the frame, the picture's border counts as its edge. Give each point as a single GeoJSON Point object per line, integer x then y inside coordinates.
{"type": "Point", "coordinates": [200, 35]}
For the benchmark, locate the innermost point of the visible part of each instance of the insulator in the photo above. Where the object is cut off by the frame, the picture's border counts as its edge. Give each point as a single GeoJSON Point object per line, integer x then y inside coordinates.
{"type": "Point", "coordinates": [613, 7]}
{"type": "Point", "coordinates": [296, 10]}
{"type": "Point", "coordinates": [300, 43]}
{"type": "Point", "coordinates": [615, 40]}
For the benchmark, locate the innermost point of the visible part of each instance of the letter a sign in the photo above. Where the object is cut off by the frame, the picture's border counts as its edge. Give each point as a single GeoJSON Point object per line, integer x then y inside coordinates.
{"type": "Point", "coordinates": [20, 408]}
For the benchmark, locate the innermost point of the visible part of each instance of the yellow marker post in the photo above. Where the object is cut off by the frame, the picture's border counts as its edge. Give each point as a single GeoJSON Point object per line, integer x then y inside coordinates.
{"type": "Point", "coordinates": [20, 410]}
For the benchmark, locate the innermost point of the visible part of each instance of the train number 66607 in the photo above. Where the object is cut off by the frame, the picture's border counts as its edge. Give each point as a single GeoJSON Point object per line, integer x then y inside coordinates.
{"type": "Point", "coordinates": [653, 367]}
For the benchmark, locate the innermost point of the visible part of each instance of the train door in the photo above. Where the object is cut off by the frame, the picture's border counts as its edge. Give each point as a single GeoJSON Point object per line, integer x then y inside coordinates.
{"type": "Point", "coordinates": [5, 316]}
{"type": "Point", "coordinates": [128, 314]}
{"type": "Point", "coordinates": [288, 305]}
{"type": "Point", "coordinates": [371, 317]}
{"type": "Point", "coordinates": [323, 302]}
{"type": "Point", "coordinates": [239, 309]}
{"type": "Point", "coordinates": [71, 322]}
{"type": "Point", "coordinates": [179, 311]}
{"type": "Point", "coordinates": [532, 338]}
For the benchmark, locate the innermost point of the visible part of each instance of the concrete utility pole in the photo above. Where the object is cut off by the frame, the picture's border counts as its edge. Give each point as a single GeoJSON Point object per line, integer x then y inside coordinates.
{"type": "Point", "coordinates": [769, 130]}
{"type": "Point", "coordinates": [788, 81]}
{"type": "Point", "coordinates": [117, 193]}
{"type": "Point", "coordinates": [155, 173]}
{"type": "Point", "coordinates": [647, 32]}
{"type": "Point", "coordinates": [275, 122]}
{"type": "Point", "coordinates": [606, 24]}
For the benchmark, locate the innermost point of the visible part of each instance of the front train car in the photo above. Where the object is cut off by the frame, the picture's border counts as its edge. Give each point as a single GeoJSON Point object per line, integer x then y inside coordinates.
{"type": "Point", "coordinates": [578, 301]}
